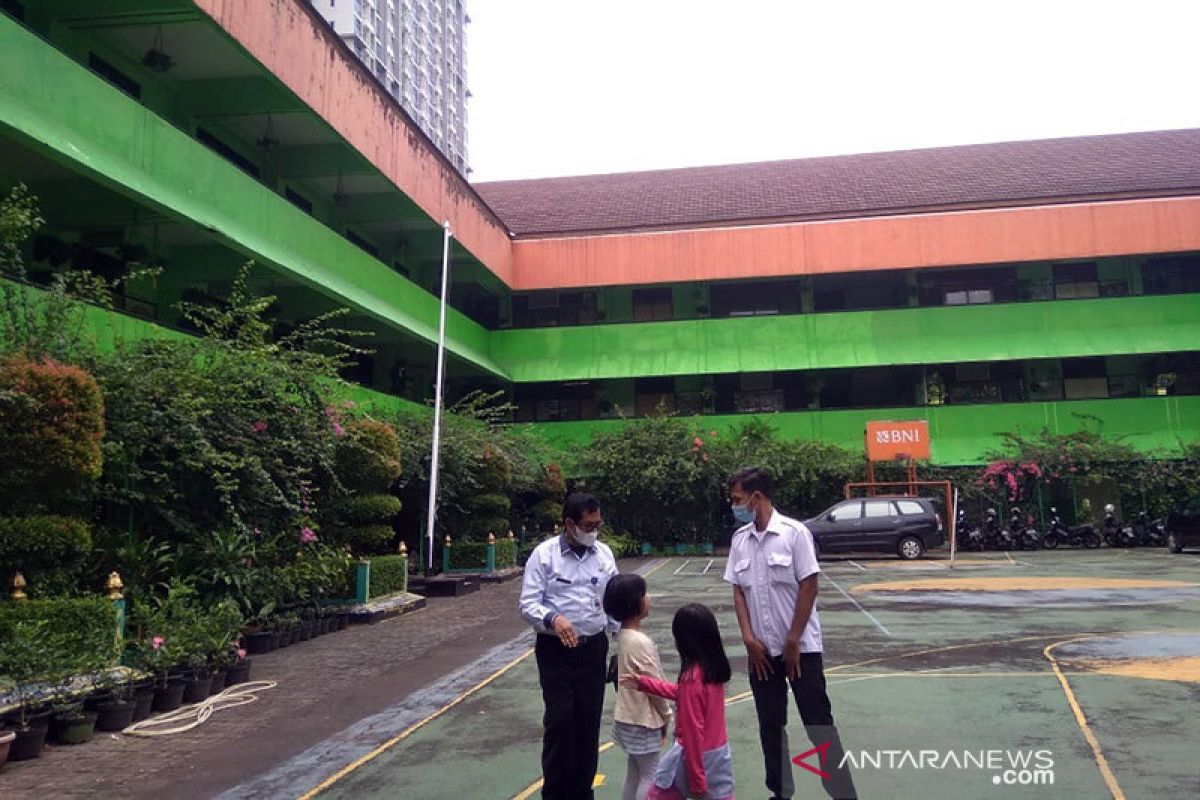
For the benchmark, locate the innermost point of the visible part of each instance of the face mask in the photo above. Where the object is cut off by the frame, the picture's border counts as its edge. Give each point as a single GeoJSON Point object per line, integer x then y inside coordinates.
{"type": "Point", "coordinates": [743, 514]}
{"type": "Point", "coordinates": [585, 539]}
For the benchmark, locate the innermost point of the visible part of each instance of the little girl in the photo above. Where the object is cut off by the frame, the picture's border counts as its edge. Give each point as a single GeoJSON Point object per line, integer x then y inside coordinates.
{"type": "Point", "coordinates": [640, 721]}
{"type": "Point", "coordinates": [699, 763]}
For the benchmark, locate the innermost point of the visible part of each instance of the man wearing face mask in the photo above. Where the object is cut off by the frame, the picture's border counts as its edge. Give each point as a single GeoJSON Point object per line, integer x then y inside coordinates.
{"type": "Point", "coordinates": [773, 568]}
{"type": "Point", "coordinates": [562, 598]}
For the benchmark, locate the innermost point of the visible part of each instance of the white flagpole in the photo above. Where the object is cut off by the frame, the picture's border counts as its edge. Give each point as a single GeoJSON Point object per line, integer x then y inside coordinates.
{"type": "Point", "coordinates": [437, 400]}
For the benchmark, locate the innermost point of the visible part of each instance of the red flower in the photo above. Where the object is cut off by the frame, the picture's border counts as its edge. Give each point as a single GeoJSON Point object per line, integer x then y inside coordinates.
{"type": "Point", "coordinates": [698, 442]}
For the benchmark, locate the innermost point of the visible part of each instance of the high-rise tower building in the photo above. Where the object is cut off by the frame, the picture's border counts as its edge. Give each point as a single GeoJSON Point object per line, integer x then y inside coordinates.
{"type": "Point", "coordinates": [417, 50]}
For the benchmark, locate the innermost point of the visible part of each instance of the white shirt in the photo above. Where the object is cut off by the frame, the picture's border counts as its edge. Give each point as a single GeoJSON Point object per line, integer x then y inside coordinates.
{"type": "Point", "coordinates": [559, 581]}
{"type": "Point", "coordinates": [769, 566]}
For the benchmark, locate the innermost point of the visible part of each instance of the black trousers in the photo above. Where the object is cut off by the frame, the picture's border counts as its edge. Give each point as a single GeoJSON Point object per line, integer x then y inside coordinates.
{"type": "Point", "coordinates": [572, 682]}
{"type": "Point", "coordinates": [770, 700]}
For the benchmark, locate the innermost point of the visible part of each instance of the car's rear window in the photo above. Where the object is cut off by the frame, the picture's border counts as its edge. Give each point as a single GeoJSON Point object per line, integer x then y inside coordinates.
{"type": "Point", "coordinates": [910, 507]}
{"type": "Point", "coordinates": [878, 508]}
{"type": "Point", "coordinates": [848, 511]}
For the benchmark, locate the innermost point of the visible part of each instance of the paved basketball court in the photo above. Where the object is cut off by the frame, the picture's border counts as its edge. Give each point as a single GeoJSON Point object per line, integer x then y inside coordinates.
{"type": "Point", "coordinates": [989, 680]}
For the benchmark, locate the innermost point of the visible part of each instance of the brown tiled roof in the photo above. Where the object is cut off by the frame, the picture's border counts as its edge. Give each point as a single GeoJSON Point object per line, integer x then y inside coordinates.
{"type": "Point", "coordinates": [973, 176]}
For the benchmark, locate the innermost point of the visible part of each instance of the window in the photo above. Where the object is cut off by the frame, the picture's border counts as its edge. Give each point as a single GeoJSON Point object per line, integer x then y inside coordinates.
{"type": "Point", "coordinates": [1171, 275]}
{"type": "Point", "coordinates": [878, 508]}
{"type": "Point", "coordinates": [362, 243]}
{"type": "Point", "coordinates": [652, 304]}
{"type": "Point", "coordinates": [848, 511]}
{"type": "Point", "coordinates": [909, 507]}
{"type": "Point", "coordinates": [114, 76]}
{"type": "Point", "coordinates": [961, 287]}
{"type": "Point", "coordinates": [227, 152]}
{"type": "Point", "coordinates": [755, 299]}
{"type": "Point", "coordinates": [1076, 281]}
{"type": "Point", "coordinates": [298, 200]}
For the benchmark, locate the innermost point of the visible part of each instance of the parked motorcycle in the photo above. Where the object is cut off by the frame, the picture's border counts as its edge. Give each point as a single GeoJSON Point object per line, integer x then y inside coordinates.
{"type": "Point", "coordinates": [994, 534]}
{"type": "Point", "coordinates": [1116, 534]}
{"type": "Point", "coordinates": [1077, 536]}
{"type": "Point", "coordinates": [970, 537]}
{"type": "Point", "coordinates": [1024, 535]}
{"type": "Point", "coordinates": [1147, 532]}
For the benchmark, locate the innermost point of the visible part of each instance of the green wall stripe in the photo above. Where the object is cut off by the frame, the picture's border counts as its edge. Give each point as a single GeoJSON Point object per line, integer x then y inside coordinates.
{"type": "Point", "coordinates": [80, 121]}
{"type": "Point", "coordinates": [1126, 325]}
{"type": "Point", "coordinates": [959, 434]}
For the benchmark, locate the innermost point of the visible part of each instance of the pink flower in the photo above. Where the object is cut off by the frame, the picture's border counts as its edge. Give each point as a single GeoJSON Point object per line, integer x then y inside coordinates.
{"type": "Point", "coordinates": [258, 531]}
{"type": "Point", "coordinates": [348, 404]}
{"type": "Point", "coordinates": [241, 653]}
{"type": "Point", "coordinates": [698, 442]}
{"type": "Point", "coordinates": [157, 642]}
{"type": "Point", "coordinates": [712, 433]}
{"type": "Point", "coordinates": [307, 535]}
{"type": "Point", "coordinates": [705, 457]}
{"type": "Point", "coordinates": [338, 430]}
{"type": "Point", "coordinates": [259, 426]}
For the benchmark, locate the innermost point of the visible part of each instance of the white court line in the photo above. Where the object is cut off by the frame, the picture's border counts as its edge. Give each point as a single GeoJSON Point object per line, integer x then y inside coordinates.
{"type": "Point", "coordinates": [681, 566]}
{"type": "Point", "coordinates": [708, 566]}
{"type": "Point", "coordinates": [860, 566]}
{"type": "Point", "coordinates": [869, 615]}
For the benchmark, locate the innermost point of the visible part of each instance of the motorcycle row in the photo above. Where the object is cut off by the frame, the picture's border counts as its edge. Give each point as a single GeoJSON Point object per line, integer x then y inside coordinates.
{"type": "Point", "coordinates": [1020, 534]}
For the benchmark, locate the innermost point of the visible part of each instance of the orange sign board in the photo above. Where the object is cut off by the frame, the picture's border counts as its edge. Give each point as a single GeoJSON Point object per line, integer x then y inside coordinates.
{"type": "Point", "coordinates": [887, 441]}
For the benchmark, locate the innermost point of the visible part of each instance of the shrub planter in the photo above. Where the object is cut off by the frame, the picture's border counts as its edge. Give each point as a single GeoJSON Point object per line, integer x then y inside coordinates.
{"type": "Point", "coordinates": [117, 715]}
{"type": "Point", "coordinates": [647, 548]}
{"type": "Point", "coordinates": [260, 642]}
{"type": "Point", "coordinates": [707, 548]}
{"type": "Point", "coordinates": [76, 728]}
{"type": "Point", "coordinates": [681, 549]}
{"type": "Point", "coordinates": [343, 621]}
{"type": "Point", "coordinates": [143, 699]}
{"type": "Point", "coordinates": [28, 742]}
{"type": "Point", "coordinates": [238, 673]}
{"type": "Point", "coordinates": [196, 689]}
{"type": "Point", "coordinates": [218, 682]}
{"type": "Point", "coordinates": [6, 740]}
{"type": "Point", "coordinates": [306, 631]}
{"type": "Point", "coordinates": [169, 697]}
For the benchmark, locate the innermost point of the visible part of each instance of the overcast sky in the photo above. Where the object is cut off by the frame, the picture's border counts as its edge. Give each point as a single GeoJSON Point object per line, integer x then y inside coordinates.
{"type": "Point", "coordinates": [570, 87]}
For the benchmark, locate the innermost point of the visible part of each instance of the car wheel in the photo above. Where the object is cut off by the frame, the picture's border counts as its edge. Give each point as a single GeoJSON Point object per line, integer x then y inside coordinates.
{"type": "Point", "coordinates": [910, 548]}
{"type": "Point", "coordinates": [1174, 544]}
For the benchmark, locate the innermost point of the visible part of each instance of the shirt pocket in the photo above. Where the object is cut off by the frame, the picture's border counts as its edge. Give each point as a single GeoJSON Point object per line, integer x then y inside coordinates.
{"type": "Point", "coordinates": [741, 573]}
{"type": "Point", "coordinates": [779, 567]}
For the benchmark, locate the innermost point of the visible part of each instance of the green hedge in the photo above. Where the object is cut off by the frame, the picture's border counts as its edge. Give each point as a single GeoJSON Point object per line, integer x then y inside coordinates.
{"type": "Point", "coordinates": [78, 634]}
{"type": "Point", "coordinates": [43, 542]}
{"type": "Point", "coordinates": [389, 574]}
{"type": "Point", "coordinates": [473, 555]}
{"type": "Point", "coordinates": [368, 509]}
{"type": "Point", "coordinates": [364, 539]}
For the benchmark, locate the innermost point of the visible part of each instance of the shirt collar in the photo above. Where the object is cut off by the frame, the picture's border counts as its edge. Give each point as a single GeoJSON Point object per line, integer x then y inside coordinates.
{"type": "Point", "coordinates": [774, 525]}
{"type": "Point", "coordinates": [564, 547]}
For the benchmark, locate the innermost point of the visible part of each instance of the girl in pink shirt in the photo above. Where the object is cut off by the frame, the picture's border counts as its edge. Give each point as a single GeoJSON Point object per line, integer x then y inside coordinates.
{"type": "Point", "coordinates": [699, 764]}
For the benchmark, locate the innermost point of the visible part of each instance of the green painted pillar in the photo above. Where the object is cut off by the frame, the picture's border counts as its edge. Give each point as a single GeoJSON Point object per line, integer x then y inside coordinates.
{"type": "Point", "coordinates": [491, 553]}
{"type": "Point", "coordinates": [362, 581]}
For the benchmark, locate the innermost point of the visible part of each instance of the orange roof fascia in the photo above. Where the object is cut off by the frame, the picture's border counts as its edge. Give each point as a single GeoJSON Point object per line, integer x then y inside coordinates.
{"type": "Point", "coordinates": [984, 236]}
{"type": "Point", "coordinates": [307, 57]}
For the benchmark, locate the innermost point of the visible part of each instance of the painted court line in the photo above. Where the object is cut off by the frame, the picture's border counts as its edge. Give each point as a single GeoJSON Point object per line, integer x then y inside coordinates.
{"type": "Point", "coordinates": [868, 614]}
{"type": "Point", "coordinates": [682, 566]}
{"type": "Point", "coordinates": [860, 566]}
{"type": "Point", "coordinates": [294, 777]}
{"type": "Point", "coordinates": [708, 566]}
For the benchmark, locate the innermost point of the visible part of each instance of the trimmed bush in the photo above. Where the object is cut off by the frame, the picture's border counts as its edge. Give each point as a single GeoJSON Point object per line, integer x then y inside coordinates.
{"type": "Point", "coordinates": [43, 542]}
{"type": "Point", "coordinates": [473, 555]}
{"type": "Point", "coordinates": [80, 634]}
{"type": "Point", "coordinates": [51, 428]}
{"type": "Point", "coordinates": [506, 553]}
{"type": "Point", "coordinates": [365, 539]}
{"type": "Point", "coordinates": [367, 509]}
{"type": "Point", "coordinates": [389, 574]}
{"type": "Point", "coordinates": [368, 457]}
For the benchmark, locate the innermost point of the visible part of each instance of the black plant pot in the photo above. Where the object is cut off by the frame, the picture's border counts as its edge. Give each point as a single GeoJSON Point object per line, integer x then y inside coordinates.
{"type": "Point", "coordinates": [75, 728]}
{"type": "Point", "coordinates": [343, 621]}
{"type": "Point", "coordinates": [218, 682]}
{"type": "Point", "coordinates": [306, 631]}
{"type": "Point", "coordinates": [196, 689]}
{"type": "Point", "coordinates": [296, 634]}
{"type": "Point", "coordinates": [260, 642]}
{"type": "Point", "coordinates": [169, 697]}
{"type": "Point", "coordinates": [286, 638]}
{"type": "Point", "coordinates": [29, 741]}
{"type": "Point", "coordinates": [143, 700]}
{"type": "Point", "coordinates": [116, 715]}
{"type": "Point", "coordinates": [238, 673]}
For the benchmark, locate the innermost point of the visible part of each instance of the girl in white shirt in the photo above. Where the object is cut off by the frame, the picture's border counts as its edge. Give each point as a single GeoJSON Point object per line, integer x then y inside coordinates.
{"type": "Point", "coordinates": [640, 720]}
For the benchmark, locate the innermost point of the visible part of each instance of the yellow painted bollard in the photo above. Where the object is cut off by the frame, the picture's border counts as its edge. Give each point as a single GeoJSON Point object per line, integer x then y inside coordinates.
{"type": "Point", "coordinates": [446, 555]}
{"type": "Point", "coordinates": [18, 586]}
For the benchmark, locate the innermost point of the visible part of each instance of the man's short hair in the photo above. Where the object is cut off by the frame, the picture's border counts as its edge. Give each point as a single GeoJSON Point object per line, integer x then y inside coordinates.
{"type": "Point", "coordinates": [577, 504]}
{"type": "Point", "coordinates": [752, 479]}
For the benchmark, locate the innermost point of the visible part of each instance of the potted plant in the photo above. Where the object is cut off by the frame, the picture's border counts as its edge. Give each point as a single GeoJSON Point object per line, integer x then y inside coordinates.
{"type": "Point", "coordinates": [73, 724]}
{"type": "Point", "coordinates": [6, 740]}
{"type": "Point", "coordinates": [117, 706]}
{"type": "Point", "coordinates": [25, 658]}
{"type": "Point", "coordinates": [159, 656]}
{"type": "Point", "coordinates": [237, 665]}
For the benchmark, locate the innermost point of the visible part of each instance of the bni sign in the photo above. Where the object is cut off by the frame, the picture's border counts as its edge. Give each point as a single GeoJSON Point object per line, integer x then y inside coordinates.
{"type": "Point", "coordinates": [887, 441]}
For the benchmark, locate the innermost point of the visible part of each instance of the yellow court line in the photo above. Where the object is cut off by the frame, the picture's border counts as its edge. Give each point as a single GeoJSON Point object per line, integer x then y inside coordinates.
{"type": "Point", "coordinates": [346, 770]}
{"type": "Point", "coordinates": [656, 568]}
{"type": "Point", "coordinates": [529, 790]}
{"type": "Point", "coordinates": [1105, 771]}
